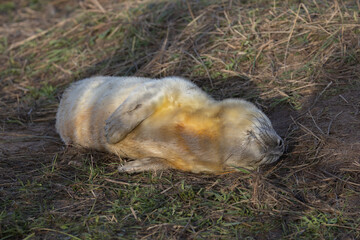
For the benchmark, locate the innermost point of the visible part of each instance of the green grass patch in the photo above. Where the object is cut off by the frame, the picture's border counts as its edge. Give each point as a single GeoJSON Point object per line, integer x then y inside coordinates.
{"type": "Point", "coordinates": [7, 7]}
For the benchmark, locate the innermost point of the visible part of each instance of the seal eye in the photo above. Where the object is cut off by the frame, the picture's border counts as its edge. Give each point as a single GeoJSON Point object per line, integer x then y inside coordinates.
{"type": "Point", "coordinates": [280, 142]}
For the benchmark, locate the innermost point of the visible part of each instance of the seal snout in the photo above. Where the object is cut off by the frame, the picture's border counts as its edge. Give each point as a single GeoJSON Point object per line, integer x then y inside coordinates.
{"type": "Point", "coordinates": [273, 154]}
{"type": "Point", "coordinates": [280, 146]}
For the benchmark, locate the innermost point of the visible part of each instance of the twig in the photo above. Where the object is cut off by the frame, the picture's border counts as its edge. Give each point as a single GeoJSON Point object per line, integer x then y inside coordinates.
{"type": "Point", "coordinates": [199, 61]}
{"type": "Point", "coordinates": [96, 2]}
{"type": "Point", "coordinates": [352, 183]}
{"type": "Point", "coordinates": [159, 54]}
{"type": "Point", "coordinates": [318, 96]}
{"type": "Point", "coordinates": [261, 48]}
{"type": "Point", "coordinates": [17, 44]}
{"type": "Point", "coordinates": [62, 69]}
{"type": "Point", "coordinates": [167, 189]}
{"type": "Point", "coordinates": [57, 231]}
{"type": "Point", "coordinates": [309, 131]}
{"type": "Point", "coordinates": [332, 120]}
{"type": "Point", "coordinates": [190, 11]}
{"type": "Point", "coordinates": [316, 123]}
{"type": "Point", "coordinates": [120, 182]}
{"type": "Point", "coordinates": [22, 138]}
{"type": "Point", "coordinates": [306, 10]}
{"type": "Point", "coordinates": [188, 222]}
{"type": "Point", "coordinates": [341, 226]}
{"type": "Point", "coordinates": [134, 214]}
{"type": "Point", "coordinates": [290, 35]}
{"type": "Point", "coordinates": [206, 69]}
{"type": "Point", "coordinates": [343, 98]}
{"type": "Point", "coordinates": [355, 108]}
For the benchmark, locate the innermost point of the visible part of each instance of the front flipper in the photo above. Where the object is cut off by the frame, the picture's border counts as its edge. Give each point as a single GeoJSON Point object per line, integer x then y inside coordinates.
{"type": "Point", "coordinates": [144, 164]}
{"type": "Point", "coordinates": [135, 109]}
{"type": "Point", "coordinates": [142, 103]}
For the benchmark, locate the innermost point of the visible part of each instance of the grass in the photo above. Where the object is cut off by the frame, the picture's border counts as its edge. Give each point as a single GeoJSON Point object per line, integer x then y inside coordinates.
{"type": "Point", "coordinates": [7, 7]}
{"type": "Point", "coordinates": [298, 62]}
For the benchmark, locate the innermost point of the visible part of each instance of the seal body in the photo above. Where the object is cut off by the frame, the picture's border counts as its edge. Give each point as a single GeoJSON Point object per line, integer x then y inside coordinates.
{"type": "Point", "coordinates": [166, 123]}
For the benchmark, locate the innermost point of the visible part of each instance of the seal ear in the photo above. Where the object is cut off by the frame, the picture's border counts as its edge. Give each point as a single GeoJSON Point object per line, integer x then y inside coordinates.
{"type": "Point", "coordinates": [135, 109]}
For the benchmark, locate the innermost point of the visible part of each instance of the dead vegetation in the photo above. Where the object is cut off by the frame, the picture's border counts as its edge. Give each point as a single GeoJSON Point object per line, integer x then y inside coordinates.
{"type": "Point", "coordinates": [298, 62]}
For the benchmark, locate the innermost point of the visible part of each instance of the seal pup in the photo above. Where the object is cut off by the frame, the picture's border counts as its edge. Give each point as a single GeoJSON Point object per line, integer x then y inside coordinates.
{"type": "Point", "coordinates": [166, 123]}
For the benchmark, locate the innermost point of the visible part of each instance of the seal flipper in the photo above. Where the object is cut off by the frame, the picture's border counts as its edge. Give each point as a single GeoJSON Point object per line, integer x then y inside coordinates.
{"type": "Point", "coordinates": [144, 164]}
{"type": "Point", "coordinates": [135, 109]}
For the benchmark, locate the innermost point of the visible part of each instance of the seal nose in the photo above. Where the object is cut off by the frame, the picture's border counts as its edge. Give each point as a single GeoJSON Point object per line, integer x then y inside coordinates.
{"type": "Point", "coordinates": [280, 144]}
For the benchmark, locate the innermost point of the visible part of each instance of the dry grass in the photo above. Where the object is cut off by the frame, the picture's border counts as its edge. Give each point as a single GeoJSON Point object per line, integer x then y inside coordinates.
{"type": "Point", "coordinates": [298, 62]}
